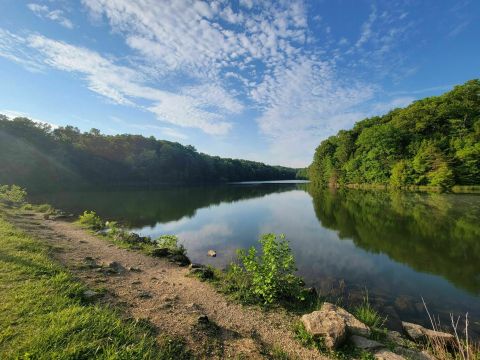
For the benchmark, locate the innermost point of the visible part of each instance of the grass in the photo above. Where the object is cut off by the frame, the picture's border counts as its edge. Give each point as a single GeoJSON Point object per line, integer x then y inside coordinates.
{"type": "Point", "coordinates": [44, 315]}
{"type": "Point", "coordinates": [368, 315]}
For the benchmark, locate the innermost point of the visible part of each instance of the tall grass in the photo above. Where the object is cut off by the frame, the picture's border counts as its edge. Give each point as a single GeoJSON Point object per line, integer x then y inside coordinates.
{"type": "Point", "coordinates": [462, 348]}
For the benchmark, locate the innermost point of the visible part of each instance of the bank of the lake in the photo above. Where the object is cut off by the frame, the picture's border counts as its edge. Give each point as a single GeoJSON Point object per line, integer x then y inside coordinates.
{"type": "Point", "coordinates": [399, 245]}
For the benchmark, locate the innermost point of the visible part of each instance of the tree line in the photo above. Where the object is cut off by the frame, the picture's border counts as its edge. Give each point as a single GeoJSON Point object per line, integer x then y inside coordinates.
{"type": "Point", "coordinates": [434, 141]}
{"type": "Point", "coordinates": [39, 157]}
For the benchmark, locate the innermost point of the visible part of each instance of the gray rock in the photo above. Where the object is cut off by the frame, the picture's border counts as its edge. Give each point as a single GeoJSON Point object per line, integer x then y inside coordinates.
{"type": "Point", "coordinates": [196, 266]}
{"type": "Point", "coordinates": [145, 295]}
{"type": "Point", "coordinates": [203, 319]}
{"type": "Point", "coordinates": [327, 324]}
{"type": "Point", "coordinates": [212, 253]}
{"type": "Point", "coordinates": [90, 262]}
{"type": "Point", "coordinates": [90, 294]}
{"type": "Point", "coordinates": [384, 354]}
{"type": "Point", "coordinates": [160, 252]}
{"type": "Point", "coordinates": [115, 267]}
{"type": "Point", "coordinates": [354, 326]}
{"type": "Point", "coordinates": [420, 334]}
{"type": "Point", "coordinates": [414, 354]}
{"type": "Point", "coordinates": [365, 344]}
{"type": "Point", "coordinates": [203, 273]}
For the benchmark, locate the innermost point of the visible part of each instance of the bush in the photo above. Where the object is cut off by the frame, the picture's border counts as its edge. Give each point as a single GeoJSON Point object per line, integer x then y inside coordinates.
{"type": "Point", "coordinates": [170, 242]}
{"type": "Point", "coordinates": [267, 277]}
{"type": "Point", "coordinates": [91, 220]}
{"type": "Point", "coordinates": [13, 194]}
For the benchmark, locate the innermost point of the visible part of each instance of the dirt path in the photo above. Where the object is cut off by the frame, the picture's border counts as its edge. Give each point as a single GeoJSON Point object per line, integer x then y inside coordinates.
{"type": "Point", "coordinates": [162, 293]}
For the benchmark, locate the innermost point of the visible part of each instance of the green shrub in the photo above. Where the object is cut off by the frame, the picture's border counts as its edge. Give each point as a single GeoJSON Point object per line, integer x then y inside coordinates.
{"type": "Point", "coordinates": [91, 220]}
{"type": "Point", "coordinates": [268, 277]}
{"type": "Point", "coordinates": [13, 194]}
{"type": "Point", "coordinates": [171, 242]}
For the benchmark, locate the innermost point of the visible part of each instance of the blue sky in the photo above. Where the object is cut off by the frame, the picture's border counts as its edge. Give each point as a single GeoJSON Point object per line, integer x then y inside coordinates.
{"type": "Point", "coordinates": [250, 79]}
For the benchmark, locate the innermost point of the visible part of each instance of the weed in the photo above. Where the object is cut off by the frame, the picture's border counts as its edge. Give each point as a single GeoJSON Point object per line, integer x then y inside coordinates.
{"type": "Point", "coordinates": [368, 315]}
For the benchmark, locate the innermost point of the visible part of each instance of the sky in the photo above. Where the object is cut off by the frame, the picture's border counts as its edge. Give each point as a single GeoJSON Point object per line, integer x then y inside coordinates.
{"type": "Point", "coordinates": [259, 80]}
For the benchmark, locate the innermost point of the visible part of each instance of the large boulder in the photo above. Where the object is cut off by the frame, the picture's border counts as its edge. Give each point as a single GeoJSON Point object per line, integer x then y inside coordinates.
{"type": "Point", "coordinates": [354, 326]}
{"type": "Point", "coordinates": [420, 334]}
{"type": "Point", "coordinates": [326, 324]}
{"type": "Point", "coordinates": [333, 324]}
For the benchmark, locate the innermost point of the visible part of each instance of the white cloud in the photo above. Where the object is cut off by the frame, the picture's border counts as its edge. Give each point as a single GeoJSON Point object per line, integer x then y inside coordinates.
{"type": "Point", "coordinates": [200, 64]}
{"type": "Point", "coordinates": [43, 11]}
{"type": "Point", "coordinates": [124, 85]}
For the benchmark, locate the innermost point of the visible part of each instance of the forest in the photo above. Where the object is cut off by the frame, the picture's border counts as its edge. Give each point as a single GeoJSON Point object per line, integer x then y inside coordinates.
{"type": "Point", "coordinates": [434, 142]}
{"type": "Point", "coordinates": [41, 158]}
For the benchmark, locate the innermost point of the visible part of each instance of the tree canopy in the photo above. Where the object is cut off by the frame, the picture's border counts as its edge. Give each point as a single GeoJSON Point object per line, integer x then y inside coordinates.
{"type": "Point", "coordinates": [434, 141]}
{"type": "Point", "coordinates": [39, 157]}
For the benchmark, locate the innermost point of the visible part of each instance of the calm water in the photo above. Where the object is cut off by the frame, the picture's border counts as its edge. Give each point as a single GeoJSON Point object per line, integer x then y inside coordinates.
{"type": "Point", "coordinates": [401, 246]}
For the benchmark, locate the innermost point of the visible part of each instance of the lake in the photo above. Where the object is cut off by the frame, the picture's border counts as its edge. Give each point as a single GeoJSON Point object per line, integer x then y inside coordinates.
{"type": "Point", "coordinates": [400, 246]}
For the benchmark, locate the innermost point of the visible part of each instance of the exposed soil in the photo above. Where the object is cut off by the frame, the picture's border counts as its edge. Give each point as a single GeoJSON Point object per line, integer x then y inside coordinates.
{"type": "Point", "coordinates": [162, 293]}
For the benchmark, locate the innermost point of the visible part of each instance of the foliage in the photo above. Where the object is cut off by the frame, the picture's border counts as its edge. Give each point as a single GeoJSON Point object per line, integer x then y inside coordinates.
{"type": "Point", "coordinates": [65, 157]}
{"type": "Point", "coordinates": [171, 242]}
{"type": "Point", "coordinates": [12, 194]}
{"type": "Point", "coordinates": [307, 339]}
{"type": "Point", "coordinates": [91, 220]}
{"type": "Point", "coordinates": [434, 141]}
{"type": "Point", "coordinates": [267, 277]}
{"type": "Point", "coordinates": [44, 315]}
{"type": "Point", "coordinates": [368, 315]}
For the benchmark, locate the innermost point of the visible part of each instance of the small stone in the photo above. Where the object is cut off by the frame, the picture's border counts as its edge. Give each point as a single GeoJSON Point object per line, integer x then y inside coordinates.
{"type": "Point", "coordinates": [145, 295]}
{"type": "Point", "coordinates": [387, 355]}
{"type": "Point", "coordinates": [115, 267]}
{"type": "Point", "coordinates": [203, 319]}
{"type": "Point", "coordinates": [160, 252]}
{"type": "Point", "coordinates": [196, 266]}
{"type": "Point", "coordinates": [90, 294]}
{"type": "Point", "coordinates": [212, 253]}
{"type": "Point", "coordinates": [134, 269]}
{"type": "Point", "coordinates": [365, 344]}
{"type": "Point", "coordinates": [136, 282]}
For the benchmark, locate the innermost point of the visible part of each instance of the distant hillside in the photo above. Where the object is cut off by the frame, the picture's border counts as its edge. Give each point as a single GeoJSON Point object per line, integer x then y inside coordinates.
{"type": "Point", "coordinates": [434, 141]}
{"type": "Point", "coordinates": [35, 156]}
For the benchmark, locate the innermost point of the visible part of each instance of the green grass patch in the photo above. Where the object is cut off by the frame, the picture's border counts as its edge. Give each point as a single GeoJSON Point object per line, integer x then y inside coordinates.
{"type": "Point", "coordinates": [368, 315]}
{"type": "Point", "coordinates": [43, 314]}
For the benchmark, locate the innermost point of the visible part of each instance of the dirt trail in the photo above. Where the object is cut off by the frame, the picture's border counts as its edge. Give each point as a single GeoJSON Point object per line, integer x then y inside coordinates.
{"type": "Point", "coordinates": [162, 293]}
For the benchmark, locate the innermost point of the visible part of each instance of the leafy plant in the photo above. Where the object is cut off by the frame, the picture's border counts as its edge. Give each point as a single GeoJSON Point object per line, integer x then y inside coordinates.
{"type": "Point", "coordinates": [171, 242]}
{"type": "Point", "coordinates": [269, 276]}
{"type": "Point", "coordinates": [91, 220]}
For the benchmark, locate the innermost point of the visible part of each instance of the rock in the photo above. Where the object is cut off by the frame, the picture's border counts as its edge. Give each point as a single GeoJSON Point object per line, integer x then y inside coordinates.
{"type": "Point", "coordinates": [195, 266]}
{"type": "Point", "coordinates": [203, 273]}
{"type": "Point", "coordinates": [115, 267]}
{"type": "Point", "coordinates": [387, 355]}
{"type": "Point", "coordinates": [203, 319]}
{"type": "Point", "coordinates": [180, 259]}
{"type": "Point", "coordinates": [414, 354]}
{"type": "Point", "coordinates": [327, 324]}
{"type": "Point", "coordinates": [90, 294]}
{"type": "Point", "coordinates": [398, 339]}
{"type": "Point", "coordinates": [160, 252]}
{"type": "Point", "coordinates": [212, 253]}
{"type": "Point", "coordinates": [420, 334]}
{"type": "Point", "coordinates": [90, 262]}
{"type": "Point", "coordinates": [134, 269]}
{"type": "Point", "coordinates": [365, 344]}
{"type": "Point", "coordinates": [145, 295]}
{"type": "Point", "coordinates": [354, 326]}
